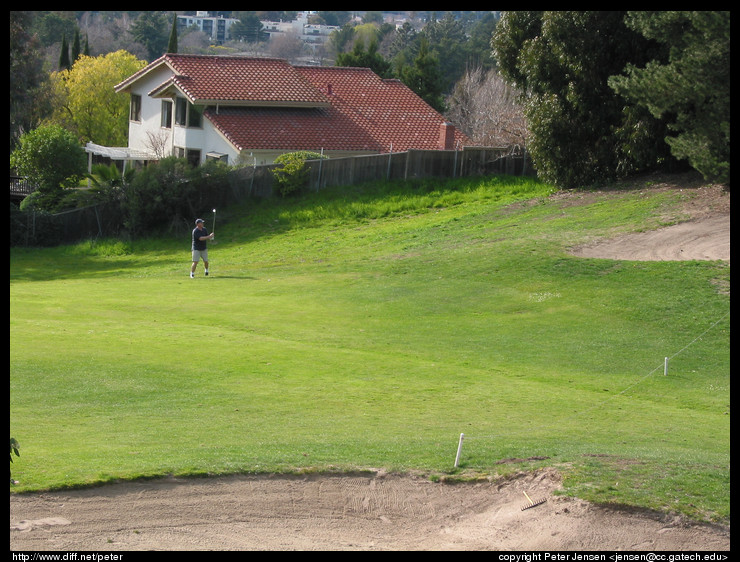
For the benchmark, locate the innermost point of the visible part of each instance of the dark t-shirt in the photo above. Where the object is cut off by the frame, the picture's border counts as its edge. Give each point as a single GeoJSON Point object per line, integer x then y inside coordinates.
{"type": "Point", "coordinates": [199, 244]}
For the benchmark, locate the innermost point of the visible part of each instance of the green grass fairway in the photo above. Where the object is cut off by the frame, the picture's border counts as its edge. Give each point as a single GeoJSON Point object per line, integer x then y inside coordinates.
{"type": "Point", "coordinates": [368, 328]}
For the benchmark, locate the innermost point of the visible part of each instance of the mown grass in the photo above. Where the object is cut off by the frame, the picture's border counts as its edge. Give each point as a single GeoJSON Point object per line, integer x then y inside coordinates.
{"type": "Point", "coordinates": [367, 328]}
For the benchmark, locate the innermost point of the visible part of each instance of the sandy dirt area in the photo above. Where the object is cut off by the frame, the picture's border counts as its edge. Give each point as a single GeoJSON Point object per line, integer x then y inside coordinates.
{"type": "Point", "coordinates": [701, 232]}
{"type": "Point", "coordinates": [368, 512]}
{"type": "Point", "coordinates": [377, 511]}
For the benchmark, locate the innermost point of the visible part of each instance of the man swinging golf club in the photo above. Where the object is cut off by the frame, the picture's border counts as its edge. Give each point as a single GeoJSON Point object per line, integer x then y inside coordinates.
{"type": "Point", "coordinates": [200, 245]}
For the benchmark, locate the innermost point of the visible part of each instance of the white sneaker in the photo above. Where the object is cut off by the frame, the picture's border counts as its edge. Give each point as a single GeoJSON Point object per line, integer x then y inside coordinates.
{"type": "Point", "coordinates": [192, 276]}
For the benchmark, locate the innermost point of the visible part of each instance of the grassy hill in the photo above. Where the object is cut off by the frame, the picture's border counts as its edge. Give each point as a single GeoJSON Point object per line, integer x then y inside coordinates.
{"type": "Point", "coordinates": [368, 327]}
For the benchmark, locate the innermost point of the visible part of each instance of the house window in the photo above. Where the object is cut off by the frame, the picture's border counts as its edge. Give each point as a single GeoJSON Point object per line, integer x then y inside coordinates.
{"type": "Point", "coordinates": [135, 107]}
{"type": "Point", "coordinates": [181, 112]}
{"type": "Point", "coordinates": [166, 114]}
{"type": "Point", "coordinates": [186, 114]}
{"type": "Point", "coordinates": [192, 155]}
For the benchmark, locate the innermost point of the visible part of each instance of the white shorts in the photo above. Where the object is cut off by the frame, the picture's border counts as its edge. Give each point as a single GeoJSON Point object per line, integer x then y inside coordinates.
{"type": "Point", "coordinates": [200, 254]}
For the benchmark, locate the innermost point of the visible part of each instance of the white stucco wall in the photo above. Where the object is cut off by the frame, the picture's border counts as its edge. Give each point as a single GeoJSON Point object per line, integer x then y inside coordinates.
{"type": "Point", "coordinates": [204, 138]}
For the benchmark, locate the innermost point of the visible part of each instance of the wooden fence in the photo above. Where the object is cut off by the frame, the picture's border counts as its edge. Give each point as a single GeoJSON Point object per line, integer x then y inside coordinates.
{"type": "Point", "coordinates": [257, 181]}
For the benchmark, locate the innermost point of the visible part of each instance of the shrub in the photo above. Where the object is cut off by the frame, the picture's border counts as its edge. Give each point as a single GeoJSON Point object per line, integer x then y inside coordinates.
{"type": "Point", "coordinates": [53, 159]}
{"type": "Point", "coordinates": [292, 176]}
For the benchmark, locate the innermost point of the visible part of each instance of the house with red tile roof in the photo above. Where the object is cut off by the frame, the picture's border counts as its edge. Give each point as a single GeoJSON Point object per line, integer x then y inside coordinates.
{"type": "Point", "coordinates": [253, 109]}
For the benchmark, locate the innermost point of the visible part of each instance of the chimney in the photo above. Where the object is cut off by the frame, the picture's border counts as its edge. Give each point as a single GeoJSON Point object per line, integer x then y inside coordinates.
{"type": "Point", "coordinates": [446, 136]}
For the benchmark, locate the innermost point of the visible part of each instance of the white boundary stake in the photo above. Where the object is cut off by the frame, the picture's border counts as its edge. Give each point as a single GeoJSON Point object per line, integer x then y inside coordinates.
{"type": "Point", "coordinates": [459, 449]}
{"type": "Point", "coordinates": [665, 367]}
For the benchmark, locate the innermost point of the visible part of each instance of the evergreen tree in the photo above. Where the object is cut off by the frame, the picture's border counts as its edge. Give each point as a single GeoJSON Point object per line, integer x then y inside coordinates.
{"type": "Point", "coordinates": [249, 28]}
{"type": "Point", "coordinates": [691, 86]}
{"type": "Point", "coordinates": [424, 77]}
{"type": "Point", "coordinates": [172, 46]}
{"type": "Point", "coordinates": [150, 29]}
{"type": "Point", "coordinates": [581, 131]}
{"type": "Point", "coordinates": [447, 42]}
{"type": "Point", "coordinates": [64, 63]}
{"type": "Point", "coordinates": [76, 49]}
{"type": "Point", "coordinates": [366, 59]}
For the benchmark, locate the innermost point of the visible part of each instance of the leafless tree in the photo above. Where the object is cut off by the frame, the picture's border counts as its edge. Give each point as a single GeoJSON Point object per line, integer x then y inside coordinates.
{"type": "Point", "coordinates": [286, 46]}
{"type": "Point", "coordinates": [158, 143]}
{"type": "Point", "coordinates": [485, 107]}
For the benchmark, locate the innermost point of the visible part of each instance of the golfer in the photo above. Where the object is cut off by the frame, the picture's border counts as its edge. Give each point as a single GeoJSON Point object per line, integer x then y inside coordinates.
{"type": "Point", "coordinates": [200, 246]}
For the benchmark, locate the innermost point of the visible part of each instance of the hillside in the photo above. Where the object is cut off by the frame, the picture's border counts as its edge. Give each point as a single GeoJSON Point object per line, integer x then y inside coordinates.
{"type": "Point", "coordinates": [378, 510]}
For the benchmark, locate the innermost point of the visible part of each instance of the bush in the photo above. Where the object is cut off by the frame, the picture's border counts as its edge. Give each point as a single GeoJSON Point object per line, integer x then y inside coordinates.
{"type": "Point", "coordinates": [292, 176]}
{"type": "Point", "coordinates": [53, 159]}
{"type": "Point", "coordinates": [172, 192]}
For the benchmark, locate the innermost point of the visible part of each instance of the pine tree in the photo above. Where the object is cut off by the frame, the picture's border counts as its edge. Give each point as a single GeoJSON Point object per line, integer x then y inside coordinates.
{"type": "Point", "coordinates": [424, 77]}
{"type": "Point", "coordinates": [64, 63]}
{"type": "Point", "coordinates": [75, 47]}
{"type": "Point", "coordinates": [172, 46]}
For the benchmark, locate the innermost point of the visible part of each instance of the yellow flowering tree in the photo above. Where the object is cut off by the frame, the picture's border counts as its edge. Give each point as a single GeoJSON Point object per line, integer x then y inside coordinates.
{"type": "Point", "coordinates": [85, 102]}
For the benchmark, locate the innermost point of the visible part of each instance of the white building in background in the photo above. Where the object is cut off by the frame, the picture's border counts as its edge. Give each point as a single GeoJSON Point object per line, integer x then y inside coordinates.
{"type": "Point", "coordinates": [309, 33]}
{"type": "Point", "coordinates": [217, 27]}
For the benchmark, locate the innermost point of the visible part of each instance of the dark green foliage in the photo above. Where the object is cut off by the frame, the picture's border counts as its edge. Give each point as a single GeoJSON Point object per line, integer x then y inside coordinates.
{"type": "Point", "coordinates": [52, 159]}
{"type": "Point", "coordinates": [150, 29]}
{"type": "Point", "coordinates": [64, 63]}
{"type": "Point", "coordinates": [424, 77]}
{"type": "Point", "coordinates": [690, 86]}
{"type": "Point", "coordinates": [366, 59]}
{"type": "Point", "coordinates": [172, 45]}
{"type": "Point", "coordinates": [581, 131]}
{"type": "Point", "coordinates": [172, 192]}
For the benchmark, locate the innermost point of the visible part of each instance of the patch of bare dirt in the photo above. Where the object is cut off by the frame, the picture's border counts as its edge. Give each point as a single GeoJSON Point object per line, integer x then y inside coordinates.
{"type": "Point", "coordinates": [702, 231]}
{"type": "Point", "coordinates": [368, 512]}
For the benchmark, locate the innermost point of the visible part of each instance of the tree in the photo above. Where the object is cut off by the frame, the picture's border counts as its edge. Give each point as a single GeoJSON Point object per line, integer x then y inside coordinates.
{"type": "Point", "coordinates": [26, 76]}
{"type": "Point", "coordinates": [486, 108]}
{"type": "Point", "coordinates": [691, 87]}
{"type": "Point", "coordinates": [479, 44]}
{"type": "Point", "coordinates": [366, 59]}
{"type": "Point", "coordinates": [581, 132]}
{"type": "Point", "coordinates": [86, 102]}
{"type": "Point", "coordinates": [342, 38]}
{"type": "Point", "coordinates": [76, 47]}
{"type": "Point", "coordinates": [150, 29]}
{"type": "Point", "coordinates": [51, 158]}
{"type": "Point", "coordinates": [64, 63]}
{"type": "Point", "coordinates": [249, 28]}
{"type": "Point", "coordinates": [424, 77]}
{"type": "Point", "coordinates": [172, 45]}
{"type": "Point", "coordinates": [447, 42]}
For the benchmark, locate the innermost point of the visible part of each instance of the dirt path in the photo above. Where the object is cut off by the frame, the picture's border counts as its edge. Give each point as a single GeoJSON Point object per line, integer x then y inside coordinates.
{"type": "Point", "coordinates": [362, 512]}
{"type": "Point", "coordinates": [377, 511]}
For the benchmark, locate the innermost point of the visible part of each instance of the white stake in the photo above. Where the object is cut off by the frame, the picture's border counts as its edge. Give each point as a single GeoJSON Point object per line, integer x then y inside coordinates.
{"type": "Point", "coordinates": [213, 228]}
{"type": "Point", "coordinates": [459, 449]}
{"type": "Point", "coordinates": [665, 367]}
